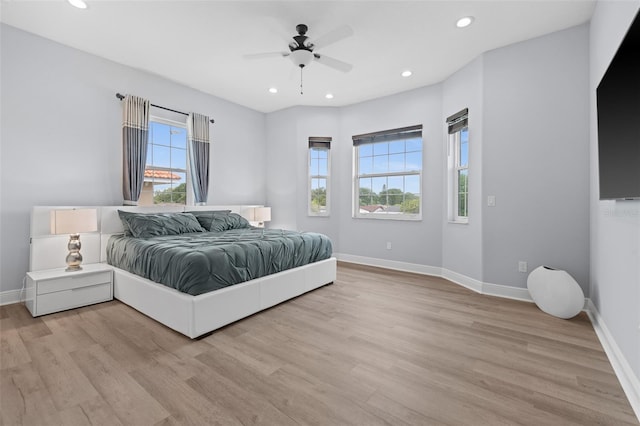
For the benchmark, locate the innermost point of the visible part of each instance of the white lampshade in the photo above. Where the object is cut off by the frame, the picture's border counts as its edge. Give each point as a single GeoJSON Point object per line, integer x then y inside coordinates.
{"type": "Point", "coordinates": [74, 221]}
{"type": "Point", "coordinates": [262, 214]}
{"type": "Point", "coordinates": [301, 57]}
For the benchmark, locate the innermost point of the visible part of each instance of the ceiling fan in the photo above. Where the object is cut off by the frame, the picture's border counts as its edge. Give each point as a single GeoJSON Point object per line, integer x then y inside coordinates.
{"type": "Point", "coordinates": [302, 50]}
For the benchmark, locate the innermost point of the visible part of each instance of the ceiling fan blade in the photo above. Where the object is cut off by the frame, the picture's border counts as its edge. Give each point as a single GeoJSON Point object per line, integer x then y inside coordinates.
{"type": "Point", "coordinates": [266, 55]}
{"type": "Point", "coordinates": [333, 63]}
{"type": "Point", "coordinates": [332, 37]}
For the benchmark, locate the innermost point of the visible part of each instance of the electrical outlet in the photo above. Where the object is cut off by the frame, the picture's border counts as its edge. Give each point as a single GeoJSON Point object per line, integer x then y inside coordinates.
{"type": "Point", "coordinates": [388, 245]}
{"type": "Point", "coordinates": [522, 266]}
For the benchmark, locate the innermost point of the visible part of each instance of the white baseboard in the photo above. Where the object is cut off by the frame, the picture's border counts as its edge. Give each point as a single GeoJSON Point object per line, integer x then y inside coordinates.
{"type": "Point", "coordinates": [390, 264]}
{"type": "Point", "coordinates": [628, 380]}
{"type": "Point", "coordinates": [463, 280]}
{"type": "Point", "coordinates": [10, 296]}
{"type": "Point", "coordinates": [508, 292]}
{"type": "Point", "coordinates": [455, 277]}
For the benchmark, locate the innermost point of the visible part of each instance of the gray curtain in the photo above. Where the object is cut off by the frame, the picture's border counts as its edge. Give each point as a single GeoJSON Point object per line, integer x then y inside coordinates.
{"type": "Point", "coordinates": [198, 133]}
{"type": "Point", "coordinates": [135, 134]}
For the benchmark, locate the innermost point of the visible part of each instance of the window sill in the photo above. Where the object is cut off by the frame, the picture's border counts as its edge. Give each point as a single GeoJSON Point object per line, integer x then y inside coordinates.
{"type": "Point", "coordinates": [414, 218]}
{"type": "Point", "coordinates": [459, 222]}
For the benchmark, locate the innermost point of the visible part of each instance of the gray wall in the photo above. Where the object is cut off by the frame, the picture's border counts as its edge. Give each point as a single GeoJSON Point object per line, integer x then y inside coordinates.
{"type": "Point", "coordinates": [318, 121]}
{"type": "Point", "coordinates": [615, 225]}
{"type": "Point", "coordinates": [462, 243]}
{"type": "Point", "coordinates": [418, 242]}
{"type": "Point", "coordinates": [61, 137]}
{"type": "Point", "coordinates": [282, 188]}
{"type": "Point", "coordinates": [288, 133]}
{"type": "Point", "coordinates": [536, 157]}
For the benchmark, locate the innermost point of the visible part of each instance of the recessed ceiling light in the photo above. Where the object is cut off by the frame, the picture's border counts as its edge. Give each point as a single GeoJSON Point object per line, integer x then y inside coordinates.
{"type": "Point", "coordinates": [464, 22]}
{"type": "Point", "coordinates": [328, 96]}
{"type": "Point", "coordinates": [406, 73]}
{"type": "Point", "coordinates": [273, 90]}
{"type": "Point", "coordinates": [80, 4]}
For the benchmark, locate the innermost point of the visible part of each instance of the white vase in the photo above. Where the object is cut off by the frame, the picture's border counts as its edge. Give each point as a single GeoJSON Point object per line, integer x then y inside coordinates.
{"type": "Point", "coordinates": [555, 292]}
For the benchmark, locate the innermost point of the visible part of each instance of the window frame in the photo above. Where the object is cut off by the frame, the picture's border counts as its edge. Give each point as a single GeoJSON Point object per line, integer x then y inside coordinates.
{"type": "Point", "coordinates": [386, 136]}
{"type": "Point", "coordinates": [327, 177]}
{"type": "Point", "coordinates": [456, 168]}
{"type": "Point", "coordinates": [457, 124]}
{"type": "Point", "coordinates": [190, 197]}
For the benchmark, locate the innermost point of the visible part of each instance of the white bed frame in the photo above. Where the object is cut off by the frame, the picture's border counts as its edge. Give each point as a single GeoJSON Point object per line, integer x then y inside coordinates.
{"type": "Point", "coordinates": [192, 316]}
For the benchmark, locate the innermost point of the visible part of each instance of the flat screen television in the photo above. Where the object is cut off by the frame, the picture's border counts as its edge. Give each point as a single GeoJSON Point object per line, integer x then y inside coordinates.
{"type": "Point", "coordinates": [618, 103]}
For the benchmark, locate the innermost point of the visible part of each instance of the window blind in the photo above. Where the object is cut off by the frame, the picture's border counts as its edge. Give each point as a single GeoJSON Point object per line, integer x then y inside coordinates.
{"type": "Point", "coordinates": [319, 142]}
{"type": "Point", "coordinates": [389, 135]}
{"type": "Point", "coordinates": [458, 121]}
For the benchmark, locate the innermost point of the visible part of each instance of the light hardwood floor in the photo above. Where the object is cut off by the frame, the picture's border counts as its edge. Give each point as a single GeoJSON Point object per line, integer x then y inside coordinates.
{"type": "Point", "coordinates": [376, 347]}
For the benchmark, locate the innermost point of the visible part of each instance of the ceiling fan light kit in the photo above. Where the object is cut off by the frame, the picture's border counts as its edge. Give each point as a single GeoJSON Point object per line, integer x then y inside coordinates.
{"type": "Point", "coordinates": [301, 57]}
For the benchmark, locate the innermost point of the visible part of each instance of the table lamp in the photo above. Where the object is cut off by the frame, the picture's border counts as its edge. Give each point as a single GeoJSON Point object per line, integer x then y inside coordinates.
{"type": "Point", "coordinates": [73, 222]}
{"type": "Point", "coordinates": [261, 215]}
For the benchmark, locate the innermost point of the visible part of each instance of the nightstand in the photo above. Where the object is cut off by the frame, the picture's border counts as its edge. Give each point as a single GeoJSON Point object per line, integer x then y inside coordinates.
{"type": "Point", "coordinates": [54, 290]}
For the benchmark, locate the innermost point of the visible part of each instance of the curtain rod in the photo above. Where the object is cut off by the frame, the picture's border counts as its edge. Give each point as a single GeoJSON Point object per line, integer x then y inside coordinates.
{"type": "Point", "coordinates": [121, 97]}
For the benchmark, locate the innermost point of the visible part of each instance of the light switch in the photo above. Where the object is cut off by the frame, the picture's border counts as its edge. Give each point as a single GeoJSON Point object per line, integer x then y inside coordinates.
{"type": "Point", "coordinates": [491, 201]}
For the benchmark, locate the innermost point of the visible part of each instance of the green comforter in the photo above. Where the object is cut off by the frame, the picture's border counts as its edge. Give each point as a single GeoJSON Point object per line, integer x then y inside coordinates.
{"type": "Point", "coordinates": [200, 262]}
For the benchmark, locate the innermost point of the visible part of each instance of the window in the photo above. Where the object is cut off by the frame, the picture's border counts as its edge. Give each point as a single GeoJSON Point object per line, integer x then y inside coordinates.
{"type": "Point", "coordinates": [388, 174]}
{"type": "Point", "coordinates": [165, 175]}
{"type": "Point", "coordinates": [459, 166]}
{"type": "Point", "coordinates": [319, 170]}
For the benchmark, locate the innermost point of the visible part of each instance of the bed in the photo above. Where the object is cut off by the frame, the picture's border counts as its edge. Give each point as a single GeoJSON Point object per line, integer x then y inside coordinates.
{"type": "Point", "coordinates": [203, 311]}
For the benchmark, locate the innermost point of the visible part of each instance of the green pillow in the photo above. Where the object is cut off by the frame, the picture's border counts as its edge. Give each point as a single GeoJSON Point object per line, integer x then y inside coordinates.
{"type": "Point", "coordinates": [212, 220]}
{"type": "Point", "coordinates": [145, 225]}
{"type": "Point", "coordinates": [235, 221]}
{"type": "Point", "coordinates": [220, 220]}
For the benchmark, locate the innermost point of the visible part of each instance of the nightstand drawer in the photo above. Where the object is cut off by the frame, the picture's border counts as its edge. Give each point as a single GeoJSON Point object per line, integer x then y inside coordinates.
{"type": "Point", "coordinates": [69, 299]}
{"type": "Point", "coordinates": [73, 282]}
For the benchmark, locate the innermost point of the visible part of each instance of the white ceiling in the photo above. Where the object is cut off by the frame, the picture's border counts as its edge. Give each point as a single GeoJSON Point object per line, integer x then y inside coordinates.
{"type": "Point", "coordinates": [201, 43]}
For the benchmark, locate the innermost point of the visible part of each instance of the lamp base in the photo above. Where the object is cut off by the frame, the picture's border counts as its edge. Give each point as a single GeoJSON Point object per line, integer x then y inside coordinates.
{"type": "Point", "coordinates": [74, 258]}
{"type": "Point", "coordinates": [73, 268]}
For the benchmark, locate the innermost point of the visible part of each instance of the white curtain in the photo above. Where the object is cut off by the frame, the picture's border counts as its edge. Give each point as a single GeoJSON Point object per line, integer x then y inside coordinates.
{"type": "Point", "coordinates": [198, 134]}
{"type": "Point", "coordinates": [135, 134]}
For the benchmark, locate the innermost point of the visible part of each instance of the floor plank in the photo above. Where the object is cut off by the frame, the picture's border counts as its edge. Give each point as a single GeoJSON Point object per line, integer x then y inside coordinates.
{"type": "Point", "coordinates": [130, 401]}
{"type": "Point", "coordinates": [377, 347]}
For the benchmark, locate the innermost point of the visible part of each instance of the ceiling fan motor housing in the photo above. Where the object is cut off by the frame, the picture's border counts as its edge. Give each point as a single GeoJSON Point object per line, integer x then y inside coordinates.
{"type": "Point", "coordinates": [301, 29]}
{"type": "Point", "coordinates": [301, 40]}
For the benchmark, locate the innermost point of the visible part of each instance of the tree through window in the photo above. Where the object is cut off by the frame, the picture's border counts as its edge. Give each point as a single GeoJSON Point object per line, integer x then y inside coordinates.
{"type": "Point", "coordinates": [319, 168]}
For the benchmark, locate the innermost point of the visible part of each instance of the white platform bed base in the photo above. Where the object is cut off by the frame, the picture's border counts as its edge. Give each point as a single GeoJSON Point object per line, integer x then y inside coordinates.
{"type": "Point", "coordinates": [194, 316]}
{"type": "Point", "coordinates": [190, 315]}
